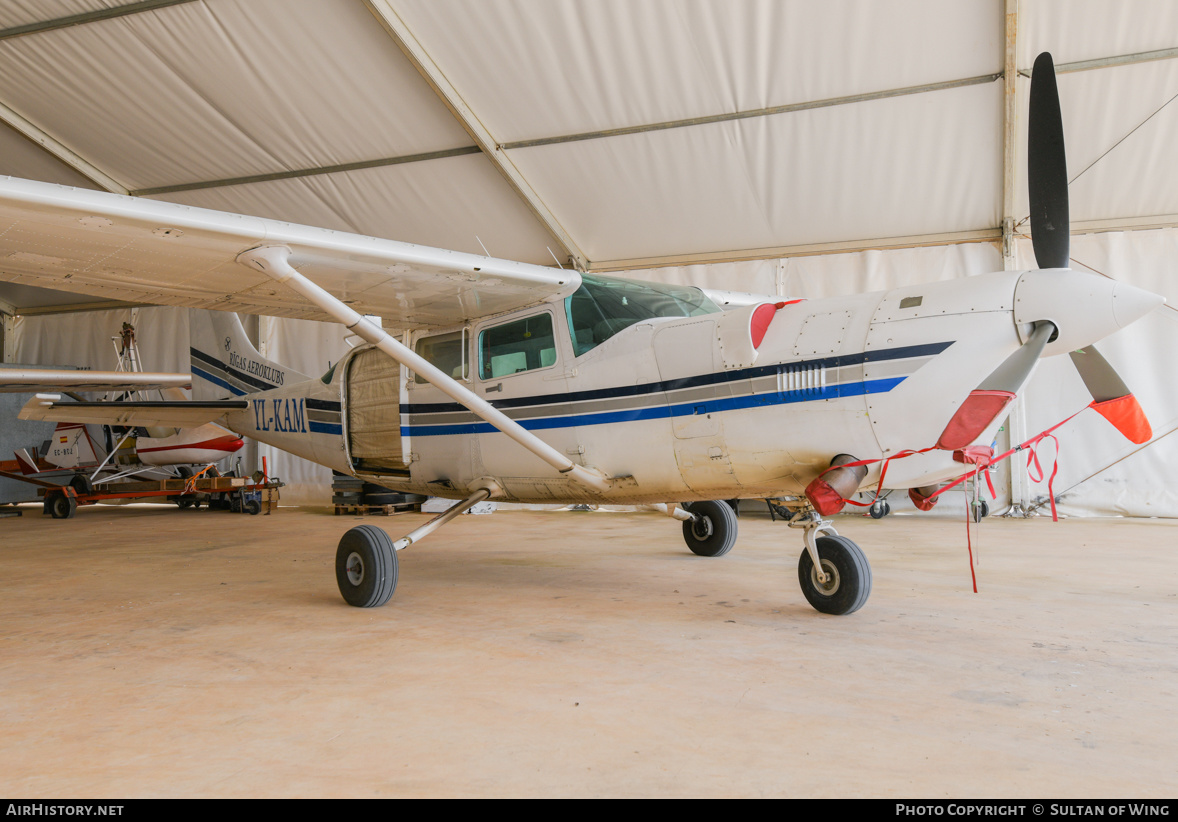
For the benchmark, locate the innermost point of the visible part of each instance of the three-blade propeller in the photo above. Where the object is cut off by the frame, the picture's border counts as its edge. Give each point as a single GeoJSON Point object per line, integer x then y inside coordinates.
{"type": "Point", "coordinates": [1047, 190]}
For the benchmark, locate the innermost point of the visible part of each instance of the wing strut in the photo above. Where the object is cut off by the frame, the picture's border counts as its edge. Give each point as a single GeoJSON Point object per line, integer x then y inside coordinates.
{"type": "Point", "coordinates": [273, 261]}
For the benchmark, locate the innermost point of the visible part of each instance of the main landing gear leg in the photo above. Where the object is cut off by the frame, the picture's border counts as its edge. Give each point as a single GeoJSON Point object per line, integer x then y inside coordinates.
{"type": "Point", "coordinates": [833, 571]}
{"type": "Point", "coordinates": [366, 559]}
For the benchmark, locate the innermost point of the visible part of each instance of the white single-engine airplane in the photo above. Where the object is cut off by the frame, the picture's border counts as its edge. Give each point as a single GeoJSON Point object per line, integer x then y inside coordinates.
{"type": "Point", "coordinates": [531, 384]}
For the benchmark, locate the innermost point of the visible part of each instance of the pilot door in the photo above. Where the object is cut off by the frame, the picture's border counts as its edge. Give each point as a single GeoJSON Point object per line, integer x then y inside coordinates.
{"type": "Point", "coordinates": [687, 355]}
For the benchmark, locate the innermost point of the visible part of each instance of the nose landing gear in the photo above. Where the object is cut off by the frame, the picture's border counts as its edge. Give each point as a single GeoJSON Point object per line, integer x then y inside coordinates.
{"type": "Point", "coordinates": [833, 571]}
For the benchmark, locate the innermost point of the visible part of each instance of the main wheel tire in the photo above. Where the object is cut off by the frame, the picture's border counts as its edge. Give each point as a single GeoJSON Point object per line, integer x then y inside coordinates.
{"type": "Point", "coordinates": [366, 567]}
{"type": "Point", "coordinates": [62, 506]}
{"type": "Point", "coordinates": [850, 576]}
{"type": "Point", "coordinates": [712, 530]}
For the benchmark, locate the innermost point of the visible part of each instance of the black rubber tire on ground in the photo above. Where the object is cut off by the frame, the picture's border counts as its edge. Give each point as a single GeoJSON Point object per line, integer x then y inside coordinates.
{"type": "Point", "coordinates": [366, 567]}
{"type": "Point", "coordinates": [62, 506]}
{"type": "Point", "coordinates": [712, 531]}
{"type": "Point", "coordinates": [252, 507]}
{"type": "Point", "coordinates": [879, 509]}
{"type": "Point", "coordinates": [851, 583]}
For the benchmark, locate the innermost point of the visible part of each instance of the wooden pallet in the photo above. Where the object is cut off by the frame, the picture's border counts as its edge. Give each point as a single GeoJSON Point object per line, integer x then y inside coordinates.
{"type": "Point", "coordinates": [382, 510]}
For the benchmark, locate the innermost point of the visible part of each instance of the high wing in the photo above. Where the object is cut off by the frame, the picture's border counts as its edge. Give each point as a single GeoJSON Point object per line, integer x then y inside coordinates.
{"type": "Point", "coordinates": [29, 380]}
{"type": "Point", "coordinates": [178, 414]}
{"type": "Point", "coordinates": [140, 250]}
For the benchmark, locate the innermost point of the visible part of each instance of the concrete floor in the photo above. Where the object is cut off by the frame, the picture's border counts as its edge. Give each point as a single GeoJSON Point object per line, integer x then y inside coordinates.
{"type": "Point", "coordinates": [151, 652]}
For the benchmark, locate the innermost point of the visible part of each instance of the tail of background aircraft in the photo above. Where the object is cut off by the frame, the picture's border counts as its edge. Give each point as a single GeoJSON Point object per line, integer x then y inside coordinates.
{"type": "Point", "coordinates": [225, 362]}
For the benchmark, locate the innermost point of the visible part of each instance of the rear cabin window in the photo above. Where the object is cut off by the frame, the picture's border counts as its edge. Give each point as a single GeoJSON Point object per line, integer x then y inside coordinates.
{"type": "Point", "coordinates": [603, 306]}
{"type": "Point", "coordinates": [514, 347]}
{"type": "Point", "coordinates": [444, 352]}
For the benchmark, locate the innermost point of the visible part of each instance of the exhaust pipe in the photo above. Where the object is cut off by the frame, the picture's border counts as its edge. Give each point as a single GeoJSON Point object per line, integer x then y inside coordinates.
{"type": "Point", "coordinates": [828, 493]}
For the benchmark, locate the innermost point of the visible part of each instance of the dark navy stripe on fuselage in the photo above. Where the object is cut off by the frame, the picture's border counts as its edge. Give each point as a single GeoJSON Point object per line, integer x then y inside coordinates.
{"type": "Point", "coordinates": [216, 365]}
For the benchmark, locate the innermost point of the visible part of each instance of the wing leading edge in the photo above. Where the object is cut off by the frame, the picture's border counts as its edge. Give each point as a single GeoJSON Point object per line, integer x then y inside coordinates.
{"type": "Point", "coordinates": [140, 250]}
{"type": "Point", "coordinates": [31, 380]}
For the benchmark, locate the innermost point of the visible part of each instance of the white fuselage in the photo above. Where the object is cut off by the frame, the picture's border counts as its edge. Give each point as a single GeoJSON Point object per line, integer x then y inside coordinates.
{"type": "Point", "coordinates": [681, 409]}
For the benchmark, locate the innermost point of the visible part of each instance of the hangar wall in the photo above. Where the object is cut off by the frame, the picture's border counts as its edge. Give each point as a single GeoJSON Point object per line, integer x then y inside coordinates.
{"type": "Point", "coordinates": [1099, 473]}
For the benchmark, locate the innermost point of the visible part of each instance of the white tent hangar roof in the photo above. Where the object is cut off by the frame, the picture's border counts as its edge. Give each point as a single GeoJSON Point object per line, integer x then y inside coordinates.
{"type": "Point", "coordinates": [622, 133]}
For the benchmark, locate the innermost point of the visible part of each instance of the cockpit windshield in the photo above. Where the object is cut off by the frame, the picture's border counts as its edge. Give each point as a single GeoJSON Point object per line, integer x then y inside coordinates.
{"type": "Point", "coordinates": [603, 306]}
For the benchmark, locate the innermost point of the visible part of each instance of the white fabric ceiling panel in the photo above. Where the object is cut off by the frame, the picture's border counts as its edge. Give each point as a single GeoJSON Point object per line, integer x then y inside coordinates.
{"type": "Point", "coordinates": [443, 203]}
{"type": "Point", "coordinates": [1119, 125]}
{"type": "Point", "coordinates": [20, 157]}
{"type": "Point", "coordinates": [206, 91]}
{"type": "Point", "coordinates": [1074, 30]}
{"type": "Point", "coordinates": [532, 70]}
{"type": "Point", "coordinates": [896, 167]}
{"type": "Point", "coordinates": [835, 275]}
{"type": "Point", "coordinates": [1129, 112]}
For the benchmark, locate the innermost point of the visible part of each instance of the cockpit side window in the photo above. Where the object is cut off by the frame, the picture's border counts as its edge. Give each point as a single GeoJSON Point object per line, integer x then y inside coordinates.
{"type": "Point", "coordinates": [517, 346]}
{"type": "Point", "coordinates": [443, 351]}
{"type": "Point", "coordinates": [603, 306]}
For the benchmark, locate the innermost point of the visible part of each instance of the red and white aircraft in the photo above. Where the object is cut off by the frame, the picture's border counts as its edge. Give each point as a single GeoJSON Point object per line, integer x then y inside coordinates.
{"type": "Point", "coordinates": [525, 383]}
{"type": "Point", "coordinates": [71, 446]}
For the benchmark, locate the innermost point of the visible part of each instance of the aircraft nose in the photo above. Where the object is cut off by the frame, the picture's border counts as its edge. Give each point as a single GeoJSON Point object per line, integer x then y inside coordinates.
{"type": "Point", "coordinates": [1131, 303]}
{"type": "Point", "coordinates": [1084, 307]}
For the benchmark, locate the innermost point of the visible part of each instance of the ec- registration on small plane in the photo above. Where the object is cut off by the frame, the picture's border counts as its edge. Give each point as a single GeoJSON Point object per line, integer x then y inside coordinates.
{"type": "Point", "coordinates": [531, 384]}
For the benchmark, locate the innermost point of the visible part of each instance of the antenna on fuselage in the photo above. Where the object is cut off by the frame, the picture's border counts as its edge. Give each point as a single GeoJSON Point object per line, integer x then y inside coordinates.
{"type": "Point", "coordinates": [488, 253]}
{"type": "Point", "coordinates": [558, 265]}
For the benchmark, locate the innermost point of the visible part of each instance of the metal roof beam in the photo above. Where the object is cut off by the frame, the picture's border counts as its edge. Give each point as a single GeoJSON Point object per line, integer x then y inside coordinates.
{"type": "Point", "coordinates": [1106, 62]}
{"type": "Point", "coordinates": [308, 172]}
{"type": "Point", "coordinates": [408, 43]}
{"type": "Point", "coordinates": [88, 17]}
{"type": "Point", "coordinates": [985, 235]}
{"type": "Point", "coordinates": [759, 112]}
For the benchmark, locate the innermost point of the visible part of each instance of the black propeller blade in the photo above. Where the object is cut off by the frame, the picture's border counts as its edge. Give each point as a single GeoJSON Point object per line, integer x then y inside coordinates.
{"type": "Point", "coordinates": [1047, 189]}
{"type": "Point", "coordinates": [1047, 169]}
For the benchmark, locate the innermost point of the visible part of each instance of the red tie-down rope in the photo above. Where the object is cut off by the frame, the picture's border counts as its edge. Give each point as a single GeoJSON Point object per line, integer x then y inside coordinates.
{"type": "Point", "coordinates": [982, 459]}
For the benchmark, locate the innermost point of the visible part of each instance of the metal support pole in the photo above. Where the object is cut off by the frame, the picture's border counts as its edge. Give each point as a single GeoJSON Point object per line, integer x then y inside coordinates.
{"type": "Point", "coordinates": [441, 519]}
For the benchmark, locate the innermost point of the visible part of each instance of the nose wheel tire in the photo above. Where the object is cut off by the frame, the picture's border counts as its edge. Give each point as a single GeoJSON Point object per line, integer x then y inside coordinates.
{"type": "Point", "coordinates": [712, 530]}
{"type": "Point", "coordinates": [366, 567]}
{"type": "Point", "coordinates": [848, 581]}
{"type": "Point", "coordinates": [879, 509]}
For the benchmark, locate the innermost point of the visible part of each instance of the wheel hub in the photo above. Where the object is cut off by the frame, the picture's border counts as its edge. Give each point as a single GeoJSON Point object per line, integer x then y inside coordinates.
{"type": "Point", "coordinates": [355, 567]}
{"type": "Point", "coordinates": [701, 528]}
{"type": "Point", "coordinates": [831, 585]}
